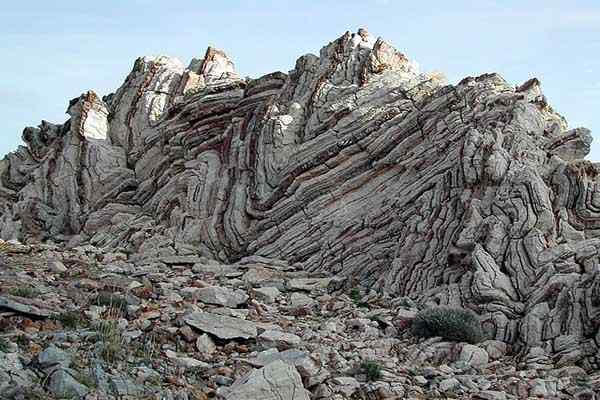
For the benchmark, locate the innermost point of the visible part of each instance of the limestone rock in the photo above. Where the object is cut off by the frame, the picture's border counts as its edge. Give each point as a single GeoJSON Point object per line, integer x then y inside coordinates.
{"type": "Point", "coordinates": [355, 163]}
{"type": "Point", "coordinates": [473, 356]}
{"type": "Point", "coordinates": [24, 306]}
{"type": "Point", "coordinates": [278, 339]}
{"type": "Point", "coordinates": [275, 381]}
{"type": "Point", "coordinates": [205, 345]}
{"type": "Point", "coordinates": [54, 357]}
{"type": "Point", "coordinates": [222, 326]}
{"type": "Point", "coordinates": [221, 296]}
{"type": "Point", "coordinates": [266, 294]}
{"type": "Point", "coordinates": [62, 384]}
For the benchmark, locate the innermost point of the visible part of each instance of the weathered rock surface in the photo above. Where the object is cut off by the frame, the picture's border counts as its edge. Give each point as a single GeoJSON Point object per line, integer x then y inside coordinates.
{"type": "Point", "coordinates": [153, 345]}
{"type": "Point", "coordinates": [274, 382]}
{"type": "Point", "coordinates": [222, 326]}
{"type": "Point", "coordinates": [221, 296]}
{"type": "Point", "coordinates": [354, 163]}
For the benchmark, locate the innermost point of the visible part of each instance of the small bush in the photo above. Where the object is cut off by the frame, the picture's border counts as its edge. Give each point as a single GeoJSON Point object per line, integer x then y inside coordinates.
{"type": "Point", "coordinates": [86, 379]}
{"type": "Point", "coordinates": [355, 295]}
{"type": "Point", "coordinates": [456, 324]}
{"type": "Point", "coordinates": [3, 345]}
{"type": "Point", "coordinates": [371, 369]}
{"type": "Point", "coordinates": [71, 319]}
{"type": "Point", "coordinates": [356, 298]}
{"type": "Point", "coordinates": [112, 301]}
{"type": "Point", "coordinates": [24, 291]}
{"type": "Point", "coordinates": [110, 340]}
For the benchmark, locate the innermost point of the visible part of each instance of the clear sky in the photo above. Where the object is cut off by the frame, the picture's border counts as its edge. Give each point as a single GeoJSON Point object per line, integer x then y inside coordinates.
{"type": "Point", "coordinates": [55, 50]}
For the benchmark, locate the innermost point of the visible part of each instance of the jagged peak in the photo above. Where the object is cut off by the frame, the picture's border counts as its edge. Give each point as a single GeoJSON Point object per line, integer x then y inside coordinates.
{"type": "Point", "coordinates": [354, 57]}
{"type": "Point", "coordinates": [89, 116]}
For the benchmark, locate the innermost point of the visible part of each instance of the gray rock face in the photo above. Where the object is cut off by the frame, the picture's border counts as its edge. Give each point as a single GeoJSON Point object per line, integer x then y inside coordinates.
{"type": "Point", "coordinates": [275, 381]}
{"type": "Point", "coordinates": [280, 340]}
{"type": "Point", "coordinates": [24, 305]}
{"type": "Point", "coordinates": [62, 384]}
{"type": "Point", "coordinates": [222, 326]}
{"type": "Point", "coordinates": [221, 296]}
{"type": "Point", "coordinates": [12, 374]}
{"type": "Point", "coordinates": [54, 357]}
{"type": "Point", "coordinates": [473, 356]}
{"type": "Point", "coordinates": [474, 194]}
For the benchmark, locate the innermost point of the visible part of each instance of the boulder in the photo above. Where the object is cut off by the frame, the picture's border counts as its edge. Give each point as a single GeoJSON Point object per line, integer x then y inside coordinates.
{"type": "Point", "coordinates": [222, 326]}
{"type": "Point", "coordinates": [275, 381]}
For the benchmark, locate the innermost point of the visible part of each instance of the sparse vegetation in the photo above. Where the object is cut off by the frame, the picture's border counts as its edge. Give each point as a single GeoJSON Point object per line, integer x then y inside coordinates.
{"type": "Point", "coordinates": [356, 297]}
{"type": "Point", "coordinates": [71, 319]}
{"type": "Point", "coordinates": [456, 324]}
{"type": "Point", "coordinates": [371, 369]}
{"type": "Point", "coordinates": [111, 300]}
{"type": "Point", "coordinates": [3, 345]}
{"type": "Point", "coordinates": [110, 339]}
{"type": "Point", "coordinates": [24, 291]}
{"type": "Point", "coordinates": [21, 340]}
{"type": "Point", "coordinates": [192, 92]}
{"type": "Point", "coordinates": [147, 349]}
{"type": "Point", "coordinates": [86, 379]}
{"type": "Point", "coordinates": [4, 247]}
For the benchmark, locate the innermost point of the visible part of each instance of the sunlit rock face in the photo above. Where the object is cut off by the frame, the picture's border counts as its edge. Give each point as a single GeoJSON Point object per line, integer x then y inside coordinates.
{"type": "Point", "coordinates": [474, 194]}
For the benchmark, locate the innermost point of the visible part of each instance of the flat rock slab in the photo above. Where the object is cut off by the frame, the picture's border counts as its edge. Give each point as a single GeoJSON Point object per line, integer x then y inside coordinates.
{"type": "Point", "coordinates": [280, 340]}
{"type": "Point", "coordinates": [24, 306]}
{"type": "Point", "coordinates": [221, 296]}
{"type": "Point", "coordinates": [276, 381]}
{"type": "Point", "coordinates": [222, 326]}
{"type": "Point", "coordinates": [308, 284]}
{"type": "Point", "coordinates": [174, 260]}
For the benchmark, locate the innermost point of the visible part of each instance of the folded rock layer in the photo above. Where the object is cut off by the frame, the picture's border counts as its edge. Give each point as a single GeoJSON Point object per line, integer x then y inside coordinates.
{"type": "Point", "coordinates": [474, 194]}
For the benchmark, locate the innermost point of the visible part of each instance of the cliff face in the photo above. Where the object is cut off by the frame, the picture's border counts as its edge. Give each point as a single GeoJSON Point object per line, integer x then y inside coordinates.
{"type": "Point", "coordinates": [354, 162]}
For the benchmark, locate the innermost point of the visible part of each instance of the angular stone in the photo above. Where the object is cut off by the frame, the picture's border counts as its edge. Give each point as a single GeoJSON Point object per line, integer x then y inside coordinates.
{"type": "Point", "coordinates": [301, 300]}
{"type": "Point", "coordinates": [24, 306]}
{"type": "Point", "coordinates": [62, 384]}
{"type": "Point", "coordinates": [266, 294]}
{"type": "Point", "coordinates": [205, 345]}
{"type": "Point", "coordinates": [495, 348]}
{"type": "Point", "coordinates": [186, 362]}
{"type": "Point", "coordinates": [221, 296]}
{"type": "Point", "coordinates": [222, 326]}
{"type": "Point", "coordinates": [275, 381]}
{"type": "Point", "coordinates": [56, 266]}
{"type": "Point", "coordinates": [473, 356]}
{"type": "Point", "coordinates": [278, 339]}
{"type": "Point", "coordinates": [54, 357]}
{"type": "Point", "coordinates": [489, 395]}
{"type": "Point", "coordinates": [448, 384]}
{"type": "Point", "coordinates": [345, 385]}
{"type": "Point", "coordinates": [308, 284]}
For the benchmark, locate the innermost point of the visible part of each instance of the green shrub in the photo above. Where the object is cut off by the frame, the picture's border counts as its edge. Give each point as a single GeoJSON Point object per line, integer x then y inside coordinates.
{"type": "Point", "coordinates": [356, 298]}
{"type": "Point", "coordinates": [111, 300]}
{"type": "Point", "coordinates": [111, 340]}
{"type": "Point", "coordinates": [71, 319]}
{"type": "Point", "coordinates": [24, 291]}
{"type": "Point", "coordinates": [456, 324]}
{"type": "Point", "coordinates": [355, 295]}
{"type": "Point", "coordinates": [111, 343]}
{"type": "Point", "coordinates": [371, 369]}
{"type": "Point", "coordinates": [3, 345]}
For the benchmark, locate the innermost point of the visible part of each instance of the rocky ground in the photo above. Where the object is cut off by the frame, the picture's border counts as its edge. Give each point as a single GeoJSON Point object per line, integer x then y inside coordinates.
{"type": "Point", "coordinates": [81, 323]}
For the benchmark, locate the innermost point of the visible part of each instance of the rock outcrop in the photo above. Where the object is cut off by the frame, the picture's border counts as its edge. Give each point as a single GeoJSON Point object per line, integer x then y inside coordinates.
{"type": "Point", "coordinates": [157, 339]}
{"type": "Point", "coordinates": [354, 163]}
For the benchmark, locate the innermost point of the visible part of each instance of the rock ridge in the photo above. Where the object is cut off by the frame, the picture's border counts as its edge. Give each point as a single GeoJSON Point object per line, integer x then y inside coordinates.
{"type": "Point", "coordinates": [354, 163]}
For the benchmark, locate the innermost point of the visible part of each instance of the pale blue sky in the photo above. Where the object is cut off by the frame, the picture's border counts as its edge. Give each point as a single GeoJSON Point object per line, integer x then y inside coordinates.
{"type": "Point", "coordinates": [54, 50]}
